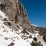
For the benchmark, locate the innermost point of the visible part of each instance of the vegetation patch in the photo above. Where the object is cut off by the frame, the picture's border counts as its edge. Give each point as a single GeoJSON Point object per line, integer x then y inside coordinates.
{"type": "Point", "coordinates": [5, 38]}
{"type": "Point", "coordinates": [44, 38]}
{"type": "Point", "coordinates": [35, 39]}
{"type": "Point", "coordinates": [34, 43]}
{"type": "Point", "coordinates": [30, 36]}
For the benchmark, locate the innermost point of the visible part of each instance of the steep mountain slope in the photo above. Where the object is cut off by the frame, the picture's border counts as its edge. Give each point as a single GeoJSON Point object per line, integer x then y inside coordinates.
{"type": "Point", "coordinates": [11, 32]}
{"type": "Point", "coordinates": [15, 26]}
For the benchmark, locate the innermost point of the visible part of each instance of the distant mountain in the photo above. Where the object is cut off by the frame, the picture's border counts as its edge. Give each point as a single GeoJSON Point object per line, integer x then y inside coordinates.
{"type": "Point", "coordinates": [15, 26]}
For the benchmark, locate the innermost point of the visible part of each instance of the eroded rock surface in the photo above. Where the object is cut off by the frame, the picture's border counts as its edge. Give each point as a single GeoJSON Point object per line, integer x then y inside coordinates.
{"type": "Point", "coordinates": [16, 11]}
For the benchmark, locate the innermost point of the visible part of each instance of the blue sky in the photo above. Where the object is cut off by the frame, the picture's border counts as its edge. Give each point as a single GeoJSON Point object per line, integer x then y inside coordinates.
{"type": "Point", "coordinates": [36, 10]}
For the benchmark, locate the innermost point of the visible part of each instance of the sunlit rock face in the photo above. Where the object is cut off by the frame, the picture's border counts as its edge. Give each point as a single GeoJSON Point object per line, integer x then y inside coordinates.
{"type": "Point", "coordinates": [16, 12]}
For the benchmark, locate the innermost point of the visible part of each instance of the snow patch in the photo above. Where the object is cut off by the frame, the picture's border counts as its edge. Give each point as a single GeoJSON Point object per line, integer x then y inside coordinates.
{"type": "Point", "coordinates": [2, 14]}
{"type": "Point", "coordinates": [34, 25]}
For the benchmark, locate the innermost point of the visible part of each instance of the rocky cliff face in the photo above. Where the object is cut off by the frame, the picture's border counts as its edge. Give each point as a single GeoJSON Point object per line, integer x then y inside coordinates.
{"type": "Point", "coordinates": [16, 12]}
